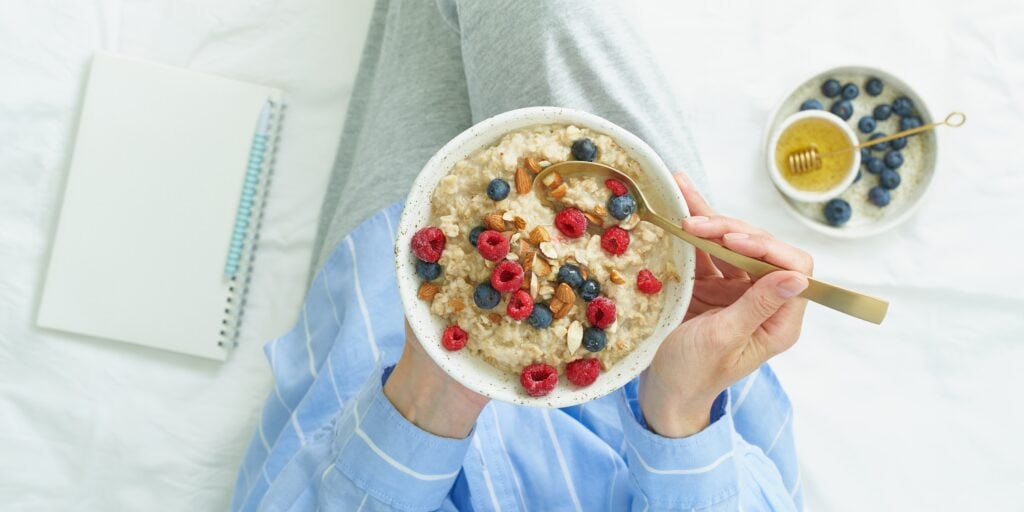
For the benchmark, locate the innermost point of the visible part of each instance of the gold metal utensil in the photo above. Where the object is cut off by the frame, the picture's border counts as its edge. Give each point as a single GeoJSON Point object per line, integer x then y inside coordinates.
{"type": "Point", "coordinates": [807, 160]}
{"type": "Point", "coordinates": [547, 185]}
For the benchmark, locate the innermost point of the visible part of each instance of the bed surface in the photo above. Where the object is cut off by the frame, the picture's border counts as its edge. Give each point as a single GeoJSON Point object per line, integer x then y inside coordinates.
{"type": "Point", "coordinates": [922, 413]}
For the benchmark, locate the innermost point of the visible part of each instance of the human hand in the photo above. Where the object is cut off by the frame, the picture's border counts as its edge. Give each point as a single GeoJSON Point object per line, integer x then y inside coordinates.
{"type": "Point", "coordinates": [428, 397]}
{"type": "Point", "coordinates": [734, 323]}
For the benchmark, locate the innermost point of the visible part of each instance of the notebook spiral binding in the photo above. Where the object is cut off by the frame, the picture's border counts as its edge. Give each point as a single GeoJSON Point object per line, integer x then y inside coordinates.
{"type": "Point", "coordinates": [249, 218]}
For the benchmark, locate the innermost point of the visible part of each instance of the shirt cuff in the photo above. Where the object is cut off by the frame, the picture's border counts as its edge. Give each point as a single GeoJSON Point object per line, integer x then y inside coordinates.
{"type": "Point", "coordinates": [391, 459]}
{"type": "Point", "coordinates": [691, 472]}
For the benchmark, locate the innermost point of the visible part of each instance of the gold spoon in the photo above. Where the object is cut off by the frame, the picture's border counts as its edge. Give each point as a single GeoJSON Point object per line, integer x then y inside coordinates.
{"type": "Point", "coordinates": [550, 187]}
{"type": "Point", "coordinates": [806, 160]}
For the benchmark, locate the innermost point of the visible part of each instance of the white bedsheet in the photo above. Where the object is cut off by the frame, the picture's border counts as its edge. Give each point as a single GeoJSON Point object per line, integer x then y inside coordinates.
{"type": "Point", "coordinates": [923, 413]}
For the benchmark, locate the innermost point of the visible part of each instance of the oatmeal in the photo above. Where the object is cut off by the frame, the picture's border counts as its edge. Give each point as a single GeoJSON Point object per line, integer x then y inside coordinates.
{"type": "Point", "coordinates": [529, 287]}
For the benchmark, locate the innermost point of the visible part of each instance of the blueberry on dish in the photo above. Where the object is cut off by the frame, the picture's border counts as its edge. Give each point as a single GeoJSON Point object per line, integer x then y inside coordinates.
{"type": "Point", "coordinates": [873, 86]}
{"type": "Point", "coordinates": [830, 88]}
{"type": "Point", "coordinates": [811, 104]}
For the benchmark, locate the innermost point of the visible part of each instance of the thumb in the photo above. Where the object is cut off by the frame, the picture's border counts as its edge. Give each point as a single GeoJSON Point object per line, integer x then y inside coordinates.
{"type": "Point", "coordinates": [762, 300]}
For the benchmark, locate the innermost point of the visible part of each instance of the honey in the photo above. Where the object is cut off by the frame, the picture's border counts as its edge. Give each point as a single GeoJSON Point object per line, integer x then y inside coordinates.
{"type": "Point", "coordinates": [826, 137]}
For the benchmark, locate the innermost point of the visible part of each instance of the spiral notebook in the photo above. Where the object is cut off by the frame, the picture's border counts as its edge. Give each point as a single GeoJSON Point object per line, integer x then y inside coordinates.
{"type": "Point", "coordinates": [161, 212]}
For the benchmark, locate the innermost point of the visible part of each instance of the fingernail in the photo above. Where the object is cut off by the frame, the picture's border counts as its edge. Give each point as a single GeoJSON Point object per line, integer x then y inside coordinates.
{"type": "Point", "coordinates": [697, 219]}
{"type": "Point", "coordinates": [792, 287]}
{"type": "Point", "coordinates": [735, 236]}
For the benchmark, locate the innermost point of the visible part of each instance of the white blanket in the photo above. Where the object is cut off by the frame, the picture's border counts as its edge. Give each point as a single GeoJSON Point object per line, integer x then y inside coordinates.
{"type": "Point", "coordinates": [921, 413]}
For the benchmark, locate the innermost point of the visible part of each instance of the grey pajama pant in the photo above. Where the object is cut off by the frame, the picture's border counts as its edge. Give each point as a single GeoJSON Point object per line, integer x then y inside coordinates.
{"type": "Point", "coordinates": [432, 68]}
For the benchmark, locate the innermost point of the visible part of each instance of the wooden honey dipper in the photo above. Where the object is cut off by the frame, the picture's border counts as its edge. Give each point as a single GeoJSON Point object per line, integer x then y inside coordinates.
{"type": "Point", "coordinates": [807, 160]}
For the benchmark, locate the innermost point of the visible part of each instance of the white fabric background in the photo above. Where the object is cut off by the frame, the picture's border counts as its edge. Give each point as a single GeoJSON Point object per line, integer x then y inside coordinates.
{"type": "Point", "coordinates": [923, 413]}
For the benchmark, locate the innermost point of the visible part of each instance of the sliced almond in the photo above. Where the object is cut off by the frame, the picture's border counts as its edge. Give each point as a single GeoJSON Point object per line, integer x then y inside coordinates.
{"type": "Point", "coordinates": [494, 318]}
{"type": "Point", "coordinates": [559, 191]}
{"type": "Point", "coordinates": [565, 294]}
{"type": "Point", "coordinates": [548, 250]}
{"type": "Point", "coordinates": [456, 304]}
{"type": "Point", "coordinates": [541, 267]}
{"type": "Point", "coordinates": [600, 210]}
{"type": "Point", "coordinates": [526, 281]}
{"type": "Point", "coordinates": [507, 216]}
{"type": "Point", "coordinates": [534, 285]}
{"type": "Point", "coordinates": [493, 221]}
{"type": "Point", "coordinates": [526, 257]}
{"type": "Point", "coordinates": [584, 273]}
{"type": "Point", "coordinates": [531, 165]}
{"type": "Point", "coordinates": [427, 291]}
{"type": "Point", "coordinates": [544, 164]}
{"type": "Point", "coordinates": [630, 222]}
{"type": "Point", "coordinates": [519, 222]}
{"type": "Point", "coordinates": [538, 235]}
{"type": "Point", "coordinates": [574, 336]}
{"type": "Point", "coordinates": [552, 181]}
{"type": "Point", "coordinates": [512, 256]}
{"type": "Point", "coordinates": [523, 181]}
{"type": "Point", "coordinates": [616, 277]}
{"type": "Point", "coordinates": [581, 256]}
{"type": "Point", "coordinates": [546, 291]}
{"type": "Point", "coordinates": [594, 219]}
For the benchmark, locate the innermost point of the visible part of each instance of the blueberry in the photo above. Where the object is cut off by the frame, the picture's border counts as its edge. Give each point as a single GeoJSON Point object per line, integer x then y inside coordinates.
{"type": "Point", "coordinates": [855, 180]}
{"type": "Point", "coordinates": [594, 339]}
{"type": "Point", "coordinates": [830, 88]}
{"type": "Point", "coordinates": [903, 106]}
{"type": "Point", "coordinates": [584, 149]}
{"type": "Point", "coordinates": [842, 108]}
{"type": "Point", "coordinates": [485, 296]}
{"type": "Point", "coordinates": [837, 212]}
{"type": "Point", "coordinates": [570, 274]}
{"type": "Point", "coordinates": [540, 317]}
{"type": "Point", "coordinates": [474, 235]}
{"type": "Point", "coordinates": [428, 271]}
{"type": "Point", "coordinates": [621, 207]}
{"type": "Point", "coordinates": [883, 112]}
{"type": "Point", "coordinates": [893, 159]}
{"type": "Point", "coordinates": [498, 189]}
{"type": "Point", "coordinates": [811, 104]}
{"type": "Point", "coordinates": [909, 123]}
{"type": "Point", "coordinates": [879, 196]}
{"type": "Point", "coordinates": [850, 91]}
{"type": "Point", "coordinates": [874, 165]}
{"type": "Point", "coordinates": [881, 146]}
{"type": "Point", "coordinates": [899, 143]}
{"type": "Point", "coordinates": [865, 153]}
{"type": "Point", "coordinates": [866, 124]}
{"type": "Point", "coordinates": [889, 179]}
{"type": "Point", "coordinates": [874, 86]}
{"type": "Point", "coordinates": [589, 290]}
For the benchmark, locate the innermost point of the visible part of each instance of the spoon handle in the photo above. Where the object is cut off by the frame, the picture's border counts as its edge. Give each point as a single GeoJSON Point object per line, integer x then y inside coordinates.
{"type": "Point", "coordinates": [841, 299]}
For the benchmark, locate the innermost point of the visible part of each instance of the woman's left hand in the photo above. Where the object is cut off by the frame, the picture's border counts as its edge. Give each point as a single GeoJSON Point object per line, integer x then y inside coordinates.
{"type": "Point", "coordinates": [734, 324]}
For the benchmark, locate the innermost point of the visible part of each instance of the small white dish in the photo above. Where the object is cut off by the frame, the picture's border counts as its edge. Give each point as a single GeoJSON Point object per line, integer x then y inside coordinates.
{"type": "Point", "coordinates": [472, 371]}
{"type": "Point", "coordinates": [806, 195]}
{"type": "Point", "coordinates": [917, 173]}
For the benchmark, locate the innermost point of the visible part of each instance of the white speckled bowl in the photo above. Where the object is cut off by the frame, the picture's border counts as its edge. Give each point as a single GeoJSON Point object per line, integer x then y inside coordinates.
{"type": "Point", "coordinates": [917, 171]}
{"type": "Point", "coordinates": [472, 371]}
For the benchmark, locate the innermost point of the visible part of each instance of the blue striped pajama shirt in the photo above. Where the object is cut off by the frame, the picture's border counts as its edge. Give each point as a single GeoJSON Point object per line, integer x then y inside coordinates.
{"type": "Point", "coordinates": [328, 438]}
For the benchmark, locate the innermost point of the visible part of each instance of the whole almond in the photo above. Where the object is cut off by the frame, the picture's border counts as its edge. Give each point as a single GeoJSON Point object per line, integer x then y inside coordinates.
{"type": "Point", "coordinates": [538, 235]}
{"type": "Point", "coordinates": [519, 222]}
{"type": "Point", "coordinates": [495, 318]}
{"type": "Point", "coordinates": [563, 311]}
{"type": "Point", "coordinates": [556, 307]}
{"type": "Point", "coordinates": [594, 219]}
{"type": "Point", "coordinates": [494, 222]}
{"type": "Point", "coordinates": [565, 294]}
{"type": "Point", "coordinates": [616, 277]}
{"type": "Point", "coordinates": [456, 304]}
{"type": "Point", "coordinates": [559, 191]}
{"type": "Point", "coordinates": [427, 291]}
{"type": "Point", "coordinates": [532, 165]}
{"type": "Point", "coordinates": [552, 181]}
{"type": "Point", "coordinates": [523, 181]}
{"type": "Point", "coordinates": [526, 258]}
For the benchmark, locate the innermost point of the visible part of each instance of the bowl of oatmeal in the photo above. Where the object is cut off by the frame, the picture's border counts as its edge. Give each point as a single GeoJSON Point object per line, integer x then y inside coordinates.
{"type": "Point", "coordinates": [541, 303]}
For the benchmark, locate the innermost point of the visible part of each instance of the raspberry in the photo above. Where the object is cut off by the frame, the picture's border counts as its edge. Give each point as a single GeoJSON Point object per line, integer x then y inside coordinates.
{"type": "Point", "coordinates": [617, 187]}
{"type": "Point", "coordinates": [428, 244]}
{"type": "Point", "coordinates": [538, 379]}
{"type": "Point", "coordinates": [507, 276]}
{"type": "Point", "coordinates": [492, 245]}
{"type": "Point", "coordinates": [601, 312]}
{"type": "Point", "coordinates": [615, 240]}
{"type": "Point", "coordinates": [571, 222]}
{"type": "Point", "coordinates": [520, 305]}
{"type": "Point", "coordinates": [454, 338]}
{"type": "Point", "coordinates": [647, 283]}
{"type": "Point", "coordinates": [583, 372]}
